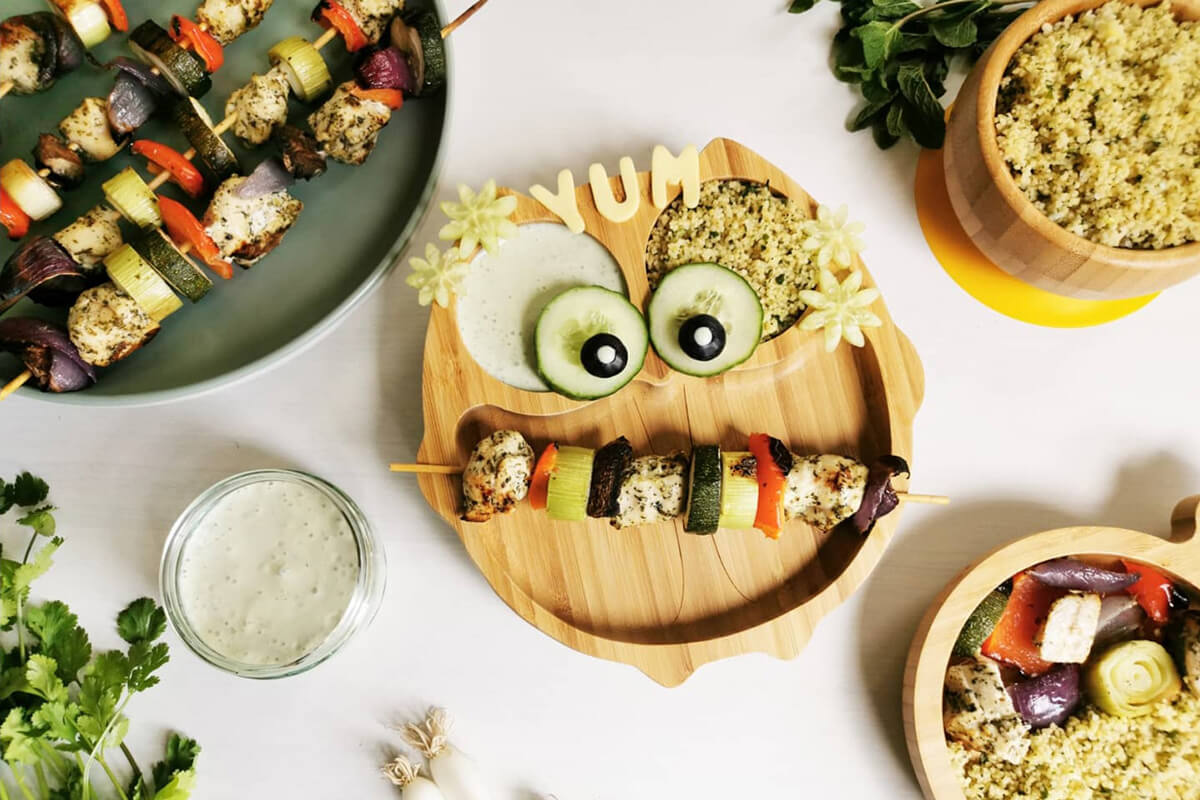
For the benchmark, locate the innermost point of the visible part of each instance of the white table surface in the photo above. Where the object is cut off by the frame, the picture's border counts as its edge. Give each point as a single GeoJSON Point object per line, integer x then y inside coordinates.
{"type": "Point", "coordinates": [1026, 428]}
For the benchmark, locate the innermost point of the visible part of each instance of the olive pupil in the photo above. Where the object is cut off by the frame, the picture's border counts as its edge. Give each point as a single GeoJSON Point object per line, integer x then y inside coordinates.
{"type": "Point", "coordinates": [702, 337]}
{"type": "Point", "coordinates": [604, 355]}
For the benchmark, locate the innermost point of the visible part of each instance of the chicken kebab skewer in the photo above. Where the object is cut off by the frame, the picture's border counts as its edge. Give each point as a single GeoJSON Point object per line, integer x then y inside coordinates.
{"type": "Point", "coordinates": [247, 218]}
{"type": "Point", "coordinates": [763, 488]}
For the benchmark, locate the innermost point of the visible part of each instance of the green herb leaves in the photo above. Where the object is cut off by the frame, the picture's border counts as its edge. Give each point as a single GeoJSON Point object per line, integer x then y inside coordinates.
{"type": "Point", "coordinates": [899, 53]}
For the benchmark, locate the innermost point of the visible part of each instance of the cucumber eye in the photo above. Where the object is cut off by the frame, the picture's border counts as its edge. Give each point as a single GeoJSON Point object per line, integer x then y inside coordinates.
{"type": "Point", "coordinates": [604, 355]}
{"type": "Point", "coordinates": [702, 337]}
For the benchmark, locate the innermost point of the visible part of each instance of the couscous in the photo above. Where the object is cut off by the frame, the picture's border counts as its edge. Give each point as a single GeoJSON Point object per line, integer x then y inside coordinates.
{"type": "Point", "coordinates": [1098, 118]}
{"type": "Point", "coordinates": [749, 229]}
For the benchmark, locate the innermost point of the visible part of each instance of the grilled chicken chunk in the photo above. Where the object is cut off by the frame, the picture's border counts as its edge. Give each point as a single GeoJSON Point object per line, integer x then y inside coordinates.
{"type": "Point", "coordinates": [497, 476]}
{"type": "Point", "coordinates": [654, 489]}
{"type": "Point", "coordinates": [1067, 634]}
{"type": "Point", "coordinates": [87, 128]}
{"type": "Point", "coordinates": [978, 712]}
{"type": "Point", "coordinates": [248, 229]}
{"type": "Point", "coordinates": [92, 237]}
{"type": "Point", "coordinates": [21, 52]}
{"type": "Point", "coordinates": [348, 125]}
{"type": "Point", "coordinates": [373, 16]}
{"type": "Point", "coordinates": [226, 20]}
{"type": "Point", "coordinates": [824, 490]}
{"type": "Point", "coordinates": [261, 107]}
{"type": "Point", "coordinates": [106, 325]}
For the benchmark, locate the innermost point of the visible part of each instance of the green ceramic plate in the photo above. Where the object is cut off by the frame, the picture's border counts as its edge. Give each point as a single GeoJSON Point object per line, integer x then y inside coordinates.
{"type": "Point", "coordinates": [355, 221]}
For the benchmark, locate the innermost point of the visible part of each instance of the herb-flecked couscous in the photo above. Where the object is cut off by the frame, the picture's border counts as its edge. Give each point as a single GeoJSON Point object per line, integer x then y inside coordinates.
{"type": "Point", "coordinates": [1096, 756]}
{"type": "Point", "coordinates": [1098, 118]}
{"type": "Point", "coordinates": [749, 229]}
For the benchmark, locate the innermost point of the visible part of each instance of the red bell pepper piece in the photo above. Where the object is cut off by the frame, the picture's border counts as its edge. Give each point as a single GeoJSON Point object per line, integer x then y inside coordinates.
{"type": "Point", "coordinates": [191, 36]}
{"type": "Point", "coordinates": [116, 14]}
{"type": "Point", "coordinates": [1153, 591]}
{"type": "Point", "coordinates": [12, 217]}
{"type": "Point", "coordinates": [331, 14]}
{"type": "Point", "coordinates": [771, 484]}
{"type": "Point", "coordinates": [1012, 640]}
{"type": "Point", "coordinates": [182, 171]}
{"type": "Point", "coordinates": [392, 98]}
{"type": "Point", "coordinates": [185, 229]}
{"type": "Point", "coordinates": [539, 487]}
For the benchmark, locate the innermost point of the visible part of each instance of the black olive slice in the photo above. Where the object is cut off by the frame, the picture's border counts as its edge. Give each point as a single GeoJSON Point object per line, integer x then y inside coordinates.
{"type": "Point", "coordinates": [604, 355]}
{"type": "Point", "coordinates": [702, 337]}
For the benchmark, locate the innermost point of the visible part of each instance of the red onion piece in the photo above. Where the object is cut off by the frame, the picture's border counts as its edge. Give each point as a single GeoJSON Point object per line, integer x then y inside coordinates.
{"type": "Point", "coordinates": [1071, 573]}
{"type": "Point", "coordinates": [35, 262]}
{"type": "Point", "coordinates": [268, 177]}
{"type": "Point", "coordinates": [1121, 617]}
{"type": "Point", "coordinates": [47, 352]}
{"type": "Point", "coordinates": [157, 84]}
{"type": "Point", "coordinates": [384, 68]}
{"type": "Point", "coordinates": [130, 105]}
{"type": "Point", "coordinates": [1048, 699]}
{"type": "Point", "coordinates": [879, 498]}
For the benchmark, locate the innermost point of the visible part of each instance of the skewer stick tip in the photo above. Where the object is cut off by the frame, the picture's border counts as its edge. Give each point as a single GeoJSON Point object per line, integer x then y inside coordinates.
{"type": "Point", "coordinates": [928, 499]}
{"type": "Point", "coordinates": [425, 469]}
{"type": "Point", "coordinates": [463, 17]}
{"type": "Point", "coordinates": [15, 383]}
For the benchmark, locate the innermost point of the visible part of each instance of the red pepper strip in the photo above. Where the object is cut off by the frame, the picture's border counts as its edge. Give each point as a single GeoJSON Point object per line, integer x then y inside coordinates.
{"type": "Point", "coordinates": [392, 98]}
{"type": "Point", "coordinates": [331, 14]}
{"type": "Point", "coordinates": [1012, 641]}
{"type": "Point", "coordinates": [186, 229]}
{"type": "Point", "coordinates": [116, 14]}
{"type": "Point", "coordinates": [191, 36]}
{"type": "Point", "coordinates": [1153, 592]}
{"type": "Point", "coordinates": [183, 172]}
{"type": "Point", "coordinates": [771, 484]}
{"type": "Point", "coordinates": [539, 487]}
{"type": "Point", "coordinates": [12, 217]}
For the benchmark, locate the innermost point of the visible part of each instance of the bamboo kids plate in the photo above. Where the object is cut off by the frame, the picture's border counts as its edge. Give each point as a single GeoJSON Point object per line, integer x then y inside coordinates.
{"type": "Point", "coordinates": [654, 597]}
{"type": "Point", "coordinates": [929, 656]}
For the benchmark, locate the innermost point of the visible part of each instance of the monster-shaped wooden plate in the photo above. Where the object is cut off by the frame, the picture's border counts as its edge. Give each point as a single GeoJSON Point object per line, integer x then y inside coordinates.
{"type": "Point", "coordinates": [655, 597]}
{"type": "Point", "coordinates": [930, 653]}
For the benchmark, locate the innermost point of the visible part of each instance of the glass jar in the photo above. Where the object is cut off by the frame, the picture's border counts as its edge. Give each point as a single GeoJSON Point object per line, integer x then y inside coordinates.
{"type": "Point", "coordinates": [364, 597]}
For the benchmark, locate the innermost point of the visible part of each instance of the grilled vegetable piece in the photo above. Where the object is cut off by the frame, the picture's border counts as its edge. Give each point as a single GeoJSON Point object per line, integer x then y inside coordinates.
{"type": "Point", "coordinates": [127, 193]}
{"type": "Point", "coordinates": [30, 191]}
{"type": "Point", "coordinates": [1049, 699]}
{"type": "Point", "coordinates": [306, 70]}
{"type": "Point", "coordinates": [134, 276]}
{"type": "Point", "coordinates": [26, 58]}
{"type": "Point", "coordinates": [980, 624]}
{"type": "Point", "coordinates": [654, 489]}
{"type": "Point", "coordinates": [1154, 591]}
{"type": "Point", "coordinates": [373, 16]}
{"type": "Point", "coordinates": [823, 490]}
{"type": "Point", "coordinates": [157, 250]}
{"type": "Point", "coordinates": [37, 262]}
{"type": "Point", "coordinates": [106, 325]}
{"type": "Point", "coordinates": [64, 164]}
{"type": "Point", "coordinates": [418, 35]}
{"type": "Point", "coordinates": [130, 105]}
{"type": "Point", "coordinates": [300, 152]}
{"type": "Point", "coordinates": [1012, 640]}
{"type": "Point", "coordinates": [612, 461]}
{"type": "Point", "coordinates": [978, 711]}
{"type": "Point", "coordinates": [1121, 618]}
{"type": "Point", "coordinates": [226, 20]}
{"type": "Point", "coordinates": [332, 14]}
{"type": "Point", "coordinates": [87, 129]}
{"type": "Point", "coordinates": [185, 229]}
{"type": "Point", "coordinates": [1183, 640]}
{"type": "Point", "coordinates": [1067, 633]}
{"type": "Point", "coordinates": [14, 220]}
{"type": "Point", "coordinates": [879, 498]}
{"type": "Point", "coordinates": [704, 490]}
{"type": "Point", "coordinates": [539, 485]}
{"type": "Point", "coordinates": [268, 177]}
{"type": "Point", "coordinates": [217, 161]}
{"type": "Point", "coordinates": [497, 476]}
{"type": "Point", "coordinates": [1071, 573]}
{"type": "Point", "coordinates": [162, 91]}
{"type": "Point", "coordinates": [1130, 678]}
{"type": "Point", "coordinates": [347, 126]}
{"type": "Point", "coordinates": [183, 70]}
{"type": "Point", "coordinates": [47, 352]}
{"type": "Point", "coordinates": [193, 38]}
{"type": "Point", "coordinates": [87, 19]}
{"type": "Point", "coordinates": [70, 51]}
{"type": "Point", "coordinates": [183, 173]}
{"type": "Point", "coordinates": [739, 490]}
{"type": "Point", "coordinates": [92, 237]}
{"type": "Point", "coordinates": [773, 464]}
{"type": "Point", "coordinates": [570, 482]}
{"type": "Point", "coordinates": [245, 230]}
{"type": "Point", "coordinates": [261, 107]}
{"type": "Point", "coordinates": [384, 68]}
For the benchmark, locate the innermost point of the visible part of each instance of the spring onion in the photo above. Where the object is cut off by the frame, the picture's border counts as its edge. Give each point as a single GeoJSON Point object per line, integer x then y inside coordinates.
{"type": "Point", "coordinates": [129, 194]}
{"type": "Point", "coordinates": [413, 785]}
{"type": "Point", "coordinates": [456, 774]}
{"type": "Point", "coordinates": [305, 69]}
{"type": "Point", "coordinates": [136, 278]}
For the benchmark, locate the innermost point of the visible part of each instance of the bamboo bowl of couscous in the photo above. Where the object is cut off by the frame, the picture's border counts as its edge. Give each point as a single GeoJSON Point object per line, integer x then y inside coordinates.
{"type": "Point", "coordinates": [1077, 219]}
{"type": "Point", "coordinates": [1089, 749]}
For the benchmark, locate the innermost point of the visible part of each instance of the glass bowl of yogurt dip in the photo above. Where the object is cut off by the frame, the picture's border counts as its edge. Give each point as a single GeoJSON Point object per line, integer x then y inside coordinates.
{"type": "Point", "coordinates": [269, 573]}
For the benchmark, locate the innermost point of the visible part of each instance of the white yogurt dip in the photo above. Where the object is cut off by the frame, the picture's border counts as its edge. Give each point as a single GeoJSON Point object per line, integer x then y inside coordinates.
{"type": "Point", "coordinates": [268, 572]}
{"type": "Point", "coordinates": [504, 294]}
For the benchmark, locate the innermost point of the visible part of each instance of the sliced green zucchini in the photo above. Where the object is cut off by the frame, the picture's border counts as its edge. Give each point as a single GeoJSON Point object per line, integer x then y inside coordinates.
{"type": "Point", "coordinates": [127, 193]}
{"type": "Point", "coordinates": [570, 484]}
{"type": "Point", "coordinates": [136, 278]}
{"type": "Point", "coordinates": [157, 249]}
{"type": "Point", "coordinates": [183, 70]}
{"type": "Point", "coordinates": [610, 464]}
{"type": "Point", "coordinates": [704, 495]}
{"type": "Point", "coordinates": [590, 342]}
{"type": "Point", "coordinates": [418, 35]}
{"type": "Point", "coordinates": [980, 624]}
{"type": "Point", "coordinates": [217, 161]}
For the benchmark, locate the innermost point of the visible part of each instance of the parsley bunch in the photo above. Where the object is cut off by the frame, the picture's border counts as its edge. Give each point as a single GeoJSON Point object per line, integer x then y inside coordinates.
{"type": "Point", "coordinates": [899, 53]}
{"type": "Point", "coordinates": [63, 705]}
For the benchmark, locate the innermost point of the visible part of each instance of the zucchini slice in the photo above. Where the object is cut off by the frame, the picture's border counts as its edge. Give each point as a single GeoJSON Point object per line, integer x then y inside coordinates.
{"type": "Point", "coordinates": [183, 70]}
{"type": "Point", "coordinates": [419, 36]}
{"type": "Point", "coordinates": [609, 468]}
{"type": "Point", "coordinates": [980, 624]}
{"type": "Point", "coordinates": [306, 71]}
{"type": "Point", "coordinates": [35, 196]}
{"type": "Point", "coordinates": [128, 193]}
{"type": "Point", "coordinates": [570, 484]}
{"type": "Point", "coordinates": [136, 278]}
{"type": "Point", "coordinates": [704, 496]}
{"type": "Point", "coordinates": [217, 161]}
{"type": "Point", "coordinates": [157, 250]}
{"type": "Point", "coordinates": [739, 490]}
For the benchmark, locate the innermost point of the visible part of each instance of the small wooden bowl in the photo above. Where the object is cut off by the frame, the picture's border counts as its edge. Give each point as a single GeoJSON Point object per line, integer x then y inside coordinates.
{"type": "Point", "coordinates": [1010, 230]}
{"type": "Point", "coordinates": [930, 652]}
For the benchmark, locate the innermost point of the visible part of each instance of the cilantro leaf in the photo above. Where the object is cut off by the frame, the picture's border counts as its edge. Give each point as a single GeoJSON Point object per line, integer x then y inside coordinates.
{"type": "Point", "coordinates": [58, 720]}
{"type": "Point", "coordinates": [18, 739]}
{"type": "Point", "coordinates": [143, 620]}
{"type": "Point", "coordinates": [41, 520]}
{"type": "Point", "coordinates": [180, 786]}
{"type": "Point", "coordinates": [181, 755]}
{"type": "Point", "coordinates": [41, 672]}
{"type": "Point", "coordinates": [28, 490]}
{"type": "Point", "coordinates": [144, 660]}
{"type": "Point", "coordinates": [61, 637]}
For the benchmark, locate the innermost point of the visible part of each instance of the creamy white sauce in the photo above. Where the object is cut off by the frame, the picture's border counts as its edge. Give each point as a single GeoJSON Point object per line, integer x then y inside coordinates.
{"type": "Point", "coordinates": [504, 294]}
{"type": "Point", "coordinates": [268, 573]}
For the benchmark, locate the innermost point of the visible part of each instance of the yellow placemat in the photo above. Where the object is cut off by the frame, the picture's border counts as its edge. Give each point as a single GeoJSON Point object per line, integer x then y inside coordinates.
{"type": "Point", "coordinates": [986, 282]}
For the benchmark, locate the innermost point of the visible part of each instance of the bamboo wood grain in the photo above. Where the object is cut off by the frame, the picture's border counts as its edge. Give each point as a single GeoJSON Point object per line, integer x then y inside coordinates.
{"type": "Point", "coordinates": [654, 597]}
{"type": "Point", "coordinates": [1005, 225]}
{"type": "Point", "coordinates": [930, 652]}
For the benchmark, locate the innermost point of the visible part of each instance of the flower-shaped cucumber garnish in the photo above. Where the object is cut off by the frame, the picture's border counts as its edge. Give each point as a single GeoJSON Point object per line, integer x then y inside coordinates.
{"type": "Point", "coordinates": [832, 238]}
{"type": "Point", "coordinates": [840, 309]}
{"type": "Point", "coordinates": [479, 218]}
{"type": "Point", "coordinates": [438, 275]}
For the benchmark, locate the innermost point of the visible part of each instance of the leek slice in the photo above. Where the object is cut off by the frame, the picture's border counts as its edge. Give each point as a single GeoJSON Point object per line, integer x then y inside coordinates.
{"type": "Point", "coordinates": [30, 191]}
{"type": "Point", "coordinates": [1131, 678]}
{"type": "Point", "coordinates": [570, 483]}
{"type": "Point", "coordinates": [129, 194]}
{"type": "Point", "coordinates": [136, 278]}
{"type": "Point", "coordinates": [87, 17]}
{"type": "Point", "coordinates": [306, 71]}
{"type": "Point", "coordinates": [739, 491]}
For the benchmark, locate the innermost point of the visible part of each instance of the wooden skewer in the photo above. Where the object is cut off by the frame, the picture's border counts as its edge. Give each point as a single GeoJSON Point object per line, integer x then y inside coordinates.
{"type": "Point", "coordinates": [463, 17]}
{"type": "Point", "coordinates": [15, 383]}
{"type": "Point", "coordinates": [6, 87]}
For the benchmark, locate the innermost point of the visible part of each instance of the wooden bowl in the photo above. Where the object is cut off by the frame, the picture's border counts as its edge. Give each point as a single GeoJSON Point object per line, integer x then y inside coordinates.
{"type": "Point", "coordinates": [1009, 229]}
{"type": "Point", "coordinates": [930, 653]}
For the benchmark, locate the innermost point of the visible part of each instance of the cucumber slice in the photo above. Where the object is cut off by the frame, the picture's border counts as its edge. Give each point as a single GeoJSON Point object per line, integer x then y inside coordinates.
{"type": "Point", "coordinates": [571, 321]}
{"type": "Point", "coordinates": [712, 295]}
{"type": "Point", "coordinates": [704, 496]}
{"type": "Point", "coordinates": [184, 70]}
{"type": "Point", "coordinates": [570, 484]}
{"type": "Point", "coordinates": [217, 161]}
{"type": "Point", "coordinates": [157, 249]}
{"type": "Point", "coordinates": [739, 490]}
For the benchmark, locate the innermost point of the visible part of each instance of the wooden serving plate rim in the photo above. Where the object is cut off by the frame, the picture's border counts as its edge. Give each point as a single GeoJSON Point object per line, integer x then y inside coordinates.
{"type": "Point", "coordinates": [930, 652]}
{"type": "Point", "coordinates": [993, 65]}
